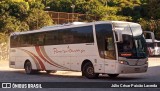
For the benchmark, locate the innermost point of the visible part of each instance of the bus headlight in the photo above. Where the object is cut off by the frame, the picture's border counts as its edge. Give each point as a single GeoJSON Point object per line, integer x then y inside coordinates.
{"type": "Point", "coordinates": [123, 62]}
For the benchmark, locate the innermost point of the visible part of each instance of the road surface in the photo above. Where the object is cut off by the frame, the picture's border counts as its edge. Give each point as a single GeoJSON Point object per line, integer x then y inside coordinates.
{"type": "Point", "coordinates": [18, 75]}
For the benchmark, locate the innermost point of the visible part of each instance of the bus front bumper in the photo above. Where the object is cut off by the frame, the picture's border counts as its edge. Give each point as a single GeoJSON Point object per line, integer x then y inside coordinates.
{"type": "Point", "coordinates": [124, 69]}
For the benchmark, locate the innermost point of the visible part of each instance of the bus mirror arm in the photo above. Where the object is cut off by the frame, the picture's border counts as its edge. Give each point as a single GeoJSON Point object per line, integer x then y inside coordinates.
{"type": "Point", "coordinates": [119, 36]}
{"type": "Point", "coordinates": [153, 37]}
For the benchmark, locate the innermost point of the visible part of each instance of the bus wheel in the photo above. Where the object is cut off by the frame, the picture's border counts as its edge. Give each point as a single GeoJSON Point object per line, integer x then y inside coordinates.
{"type": "Point", "coordinates": [113, 75]}
{"type": "Point", "coordinates": [28, 67]}
{"type": "Point", "coordinates": [50, 71]}
{"type": "Point", "coordinates": [88, 71]}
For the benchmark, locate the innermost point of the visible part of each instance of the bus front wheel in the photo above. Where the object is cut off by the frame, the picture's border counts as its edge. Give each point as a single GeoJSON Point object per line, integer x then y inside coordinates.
{"type": "Point", "coordinates": [28, 67]}
{"type": "Point", "coordinates": [88, 71]}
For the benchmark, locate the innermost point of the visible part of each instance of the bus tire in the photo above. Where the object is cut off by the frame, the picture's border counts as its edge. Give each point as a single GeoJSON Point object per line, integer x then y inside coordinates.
{"type": "Point", "coordinates": [88, 71]}
{"type": "Point", "coordinates": [28, 67]}
{"type": "Point", "coordinates": [50, 71]}
{"type": "Point", "coordinates": [113, 75]}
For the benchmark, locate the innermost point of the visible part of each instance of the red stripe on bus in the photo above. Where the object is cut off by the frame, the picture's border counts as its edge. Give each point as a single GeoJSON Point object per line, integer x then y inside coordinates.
{"type": "Point", "coordinates": [34, 59]}
{"type": "Point", "coordinates": [42, 56]}
{"type": "Point", "coordinates": [38, 59]}
{"type": "Point", "coordinates": [45, 54]}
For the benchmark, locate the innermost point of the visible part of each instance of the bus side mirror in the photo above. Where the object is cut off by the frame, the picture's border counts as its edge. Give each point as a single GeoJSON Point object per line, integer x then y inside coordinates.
{"type": "Point", "coordinates": [151, 35]}
{"type": "Point", "coordinates": [119, 36]}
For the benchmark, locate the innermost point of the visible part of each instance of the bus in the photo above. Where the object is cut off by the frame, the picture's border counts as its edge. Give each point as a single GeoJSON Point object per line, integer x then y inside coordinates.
{"type": "Point", "coordinates": [101, 47]}
{"type": "Point", "coordinates": [153, 45]}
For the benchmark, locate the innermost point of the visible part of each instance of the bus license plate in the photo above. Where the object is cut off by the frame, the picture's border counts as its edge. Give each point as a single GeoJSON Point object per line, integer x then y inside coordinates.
{"type": "Point", "coordinates": [137, 69]}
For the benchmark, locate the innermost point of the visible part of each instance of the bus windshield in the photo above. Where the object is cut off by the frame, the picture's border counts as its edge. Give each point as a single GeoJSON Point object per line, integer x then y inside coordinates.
{"type": "Point", "coordinates": [133, 45]}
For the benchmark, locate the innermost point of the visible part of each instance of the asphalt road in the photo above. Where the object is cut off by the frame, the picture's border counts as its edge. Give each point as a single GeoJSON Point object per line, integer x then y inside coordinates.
{"type": "Point", "coordinates": [16, 75]}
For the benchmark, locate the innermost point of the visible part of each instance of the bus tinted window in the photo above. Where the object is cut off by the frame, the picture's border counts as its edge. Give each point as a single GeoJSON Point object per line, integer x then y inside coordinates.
{"type": "Point", "coordinates": [24, 41]}
{"type": "Point", "coordinates": [14, 41]}
{"type": "Point", "coordinates": [51, 38]}
{"type": "Point", "coordinates": [105, 41]}
{"type": "Point", "coordinates": [70, 36]}
{"type": "Point", "coordinates": [56, 37]}
{"type": "Point", "coordinates": [37, 39]}
{"type": "Point", "coordinates": [82, 34]}
{"type": "Point", "coordinates": [147, 36]}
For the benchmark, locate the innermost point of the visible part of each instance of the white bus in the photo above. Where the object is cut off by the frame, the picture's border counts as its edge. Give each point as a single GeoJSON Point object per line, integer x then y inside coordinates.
{"type": "Point", "coordinates": [153, 45]}
{"type": "Point", "coordinates": [103, 47]}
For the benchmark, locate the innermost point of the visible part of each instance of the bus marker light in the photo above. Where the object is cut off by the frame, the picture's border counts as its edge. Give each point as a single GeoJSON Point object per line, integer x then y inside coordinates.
{"type": "Point", "coordinates": [126, 54]}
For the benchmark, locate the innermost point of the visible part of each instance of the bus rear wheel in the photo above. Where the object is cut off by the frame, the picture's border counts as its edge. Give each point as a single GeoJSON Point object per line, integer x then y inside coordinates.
{"type": "Point", "coordinates": [113, 75]}
{"type": "Point", "coordinates": [88, 71]}
{"type": "Point", "coordinates": [28, 67]}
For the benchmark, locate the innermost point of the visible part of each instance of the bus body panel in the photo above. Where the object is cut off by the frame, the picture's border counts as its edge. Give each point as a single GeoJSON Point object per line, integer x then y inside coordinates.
{"type": "Point", "coordinates": [123, 69]}
{"type": "Point", "coordinates": [19, 59]}
{"type": "Point", "coordinates": [132, 66]}
{"type": "Point", "coordinates": [110, 66]}
{"type": "Point", "coordinates": [71, 56]}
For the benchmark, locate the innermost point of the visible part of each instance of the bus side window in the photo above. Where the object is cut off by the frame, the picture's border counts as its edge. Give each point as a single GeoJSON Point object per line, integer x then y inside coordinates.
{"type": "Point", "coordinates": [109, 48]}
{"type": "Point", "coordinates": [109, 44]}
{"type": "Point", "coordinates": [40, 39]}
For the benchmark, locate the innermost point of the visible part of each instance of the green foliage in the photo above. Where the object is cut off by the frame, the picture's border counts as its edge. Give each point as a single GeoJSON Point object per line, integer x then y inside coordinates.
{"type": "Point", "coordinates": [3, 38]}
{"type": "Point", "coordinates": [30, 14]}
{"type": "Point", "coordinates": [61, 5]}
{"type": "Point", "coordinates": [3, 47]}
{"type": "Point", "coordinates": [151, 25]}
{"type": "Point", "coordinates": [17, 0]}
{"type": "Point", "coordinates": [103, 2]}
{"type": "Point", "coordinates": [94, 9]}
{"type": "Point", "coordinates": [129, 8]}
{"type": "Point", "coordinates": [145, 24]}
{"type": "Point", "coordinates": [154, 9]}
{"type": "Point", "coordinates": [37, 5]}
{"type": "Point", "coordinates": [4, 7]}
{"type": "Point", "coordinates": [16, 9]}
{"type": "Point", "coordinates": [37, 19]}
{"type": "Point", "coordinates": [11, 24]}
{"type": "Point", "coordinates": [112, 10]}
{"type": "Point", "coordinates": [117, 18]}
{"type": "Point", "coordinates": [18, 15]}
{"type": "Point", "coordinates": [15, 16]}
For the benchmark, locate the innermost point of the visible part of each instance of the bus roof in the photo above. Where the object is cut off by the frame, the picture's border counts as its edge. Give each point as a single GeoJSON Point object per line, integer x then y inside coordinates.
{"type": "Point", "coordinates": [74, 24]}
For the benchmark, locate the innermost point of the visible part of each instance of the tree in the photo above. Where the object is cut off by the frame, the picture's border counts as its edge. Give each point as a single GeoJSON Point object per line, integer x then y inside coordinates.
{"type": "Point", "coordinates": [37, 5]}
{"type": "Point", "coordinates": [93, 8]}
{"type": "Point", "coordinates": [16, 9]}
{"type": "Point", "coordinates": [145, 24]}
{"type": "Point", "coordinates": [154, 9]}
{"type": "Point", "coordinates": [11, 24]}
{"type": "Point", "coordinates": [37, 19]}
{"type": "Point", "coordinates": [17, 16]}
{"type": "Point", "coordinates": [61, 5]}
{"type": "Point", "coordinates": [4, 50]}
